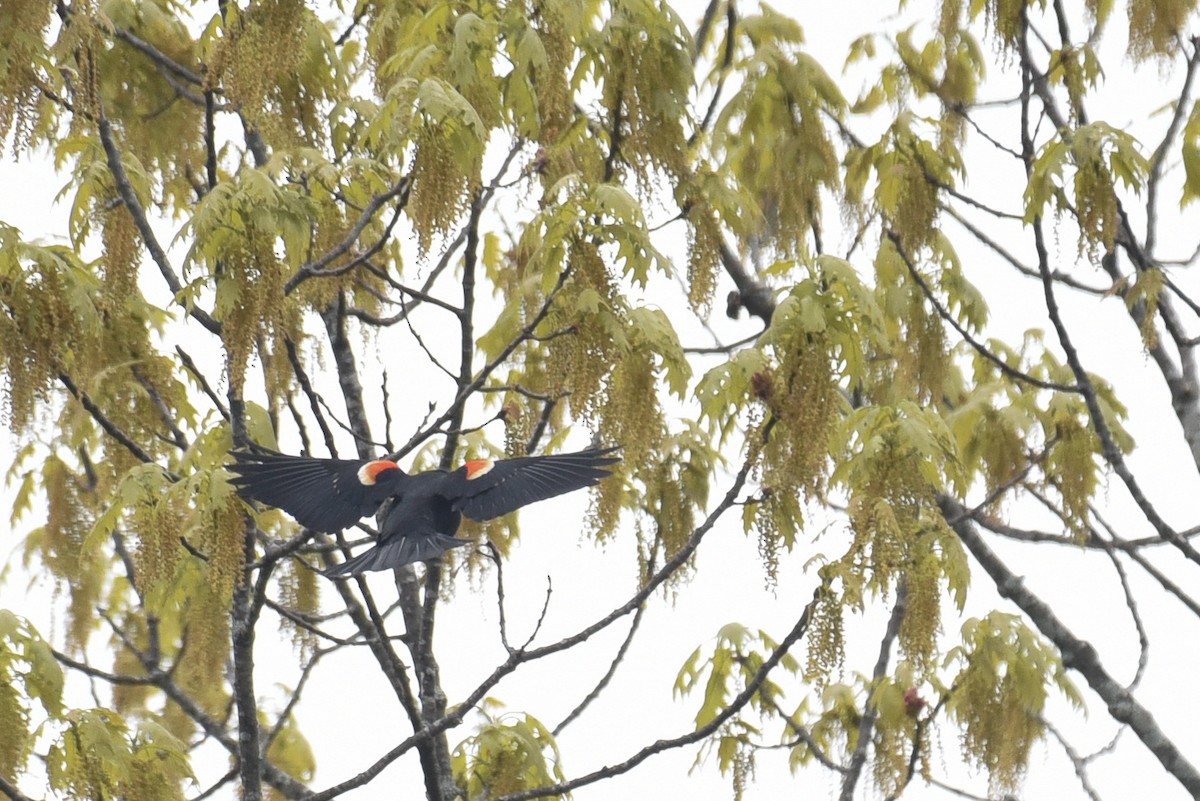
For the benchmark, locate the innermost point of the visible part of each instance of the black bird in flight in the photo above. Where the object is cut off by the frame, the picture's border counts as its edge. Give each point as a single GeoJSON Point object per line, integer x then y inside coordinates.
{"type": "Point", "coordinates": [332, 494]}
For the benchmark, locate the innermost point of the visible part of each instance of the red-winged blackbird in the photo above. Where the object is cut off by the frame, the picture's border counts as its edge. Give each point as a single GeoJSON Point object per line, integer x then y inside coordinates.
{"type": "Point", "coordinates": [331, 494]}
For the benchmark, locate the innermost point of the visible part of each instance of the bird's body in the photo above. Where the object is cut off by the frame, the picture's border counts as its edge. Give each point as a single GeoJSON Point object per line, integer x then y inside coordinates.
{"type": "Point", "coordinates": [427, 508]}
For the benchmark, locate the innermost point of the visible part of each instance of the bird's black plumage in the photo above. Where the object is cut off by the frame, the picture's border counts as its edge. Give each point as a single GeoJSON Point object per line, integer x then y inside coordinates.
{"type": "Point", "coordinates": [331, 494]}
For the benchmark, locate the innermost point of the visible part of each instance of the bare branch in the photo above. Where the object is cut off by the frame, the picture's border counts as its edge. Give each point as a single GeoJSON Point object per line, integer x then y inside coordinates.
{"type": "Point", "coordinates": [157, 254]}
{"type": "Point", "coordinates": [1077, 654]}
{"type": "Point", "coordinates": [866, 726]}
{"type": "Point", "coordinates": [1154, 179]}
{"type": "Point", "coordinates": [11, 791]}
{"type": "Point", "coordinates": [1078, 762]}
{"type": "Point", "coordinates": [735, 705]}
{"type": "Point", "coordinates": [1112, 454]}
{"type": "Point", "coordinates": [108, 425]}
{"type": "Point", "coordinates": [978, 346]}
{"type": "Point", "coordinates": [608, 674]}
{"type": "Point", "coordinates": [317, 267]}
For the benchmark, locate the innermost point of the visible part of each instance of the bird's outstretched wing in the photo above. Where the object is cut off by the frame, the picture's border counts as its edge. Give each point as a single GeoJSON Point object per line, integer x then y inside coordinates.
{"type": "Point", "coordinates": [483, 489]}
{"type": "Point", "coordinates": [322, 494]}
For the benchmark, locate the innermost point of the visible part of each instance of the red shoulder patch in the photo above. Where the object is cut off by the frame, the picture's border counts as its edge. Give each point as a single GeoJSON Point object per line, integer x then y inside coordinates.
{"type": "Point", "coordinates": [368, 474]}
{"type": "Point", "coordinates": [477, 467]}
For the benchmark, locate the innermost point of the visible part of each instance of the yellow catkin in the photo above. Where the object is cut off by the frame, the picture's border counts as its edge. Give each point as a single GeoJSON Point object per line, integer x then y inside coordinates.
{"type": "Point", "coordinates": [553, 93]}
{"type": "Point", "coordinates": [826, 641]}
{"type": "Point", "coordinates": [1072, 464]}
{"type": "Point", "coordinates": [803, 397]}
{"type": "Point", "coordinates": [923, 613]}
{"type": "Point", "coordinates": [299, 590]}
{"type": "Point", "coordinates": [892, 747]}
{"type": "Point", "coordinates": [646, 86]}
{"type": "Point", "coordinates": [264, 47]}
{"type": "Point", "coordinates": [922, 358]}
{"type": "Point", "coordinates": [67, 523]}
{"type": "Point", "coordinates": [1004, 18]}
{"type": "Point", "coordinates": [207, 625]}
{"type": "Point", "coordinates": [917, 207]}
{"type": "Point", "coordinates": [121, 259]}
{"type": "Point", "coordinates": [1155, 27]}
{"type": "Point", "coordinates": [1096, 209]}
{"type": "Point", "coordinates": [14, 722]}
{"type": "Point", "coordinates": [129, 698]}
{"type": "Point", "coordinates": [439, 187]}
{"type": "Point", "coordinates": [704, 257]}
{"type": "Point", "coordinates": [24, 22]}
{"type": "Point", "coordinates": [157, 525]}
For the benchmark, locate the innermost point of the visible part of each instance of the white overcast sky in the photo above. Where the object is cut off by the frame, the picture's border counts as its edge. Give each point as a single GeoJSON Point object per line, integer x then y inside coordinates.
{"type": "Point", "coordinates": [351, 717]}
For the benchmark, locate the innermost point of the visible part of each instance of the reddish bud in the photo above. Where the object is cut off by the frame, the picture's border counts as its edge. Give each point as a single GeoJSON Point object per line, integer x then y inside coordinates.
{"type": "Point", "coordinates": [913, 702]}
{"type": "Point", "coordinates": [762, 384]}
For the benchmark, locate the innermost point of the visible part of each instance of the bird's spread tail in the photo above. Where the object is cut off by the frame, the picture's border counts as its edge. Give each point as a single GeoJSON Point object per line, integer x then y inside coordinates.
{"type": "Point", "coordinates": [396, 553]}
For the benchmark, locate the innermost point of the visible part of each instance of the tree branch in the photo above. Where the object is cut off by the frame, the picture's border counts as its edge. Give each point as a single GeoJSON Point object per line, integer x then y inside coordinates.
{"type": "Point", "coordinates": [1077, 654]}
{"type": "Point", "coordinates": [866, 726]}
{"type": "Point", "coordinates": [130, 199]}
{"type": "Point", "coordinates": [735, 705]}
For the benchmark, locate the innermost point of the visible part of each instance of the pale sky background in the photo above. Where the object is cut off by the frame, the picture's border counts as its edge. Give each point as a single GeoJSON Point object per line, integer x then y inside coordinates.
{"type": "Point", "coordinates": [352, 718]}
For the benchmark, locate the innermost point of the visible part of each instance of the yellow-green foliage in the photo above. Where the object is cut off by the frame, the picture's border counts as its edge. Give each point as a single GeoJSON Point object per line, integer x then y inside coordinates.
{"type": "Point", "coordinates": [604, 356]}
{"type": "Point", "coordinates": [834, 728]}
{"type": "Point", "coordinates": [1156, 26]}
{"type": "Point", "coordinates": [1190, 151]}
{"type": "Point", "coordinates": [434, 71]}
{"type": "Point", "coordinates": [895, 730]}
{"type": "Point", "coordinates": [24, 65]}
{"type": "Point", "coordinates": [49, 322]}
{"type": "Point", "coordinates": [447, 158]}
{"type": "Point", "coordinates": [507, 754]}
{"type": "Point", "coordinates": [909, 170]}
{"type": "Point", "coordinates": [642, 59]}
{"type": "Point", "coordinates": [704, 256]}
{"type": "Point", "coordinates": [130, 699]}
{"type": "Point", "coordinates": [558, 27]}
{"type": "Point", "coordinates": [1071, 463]}
{"type": "Point", "coordinates": [1004, 678]}
{"type": "Point", "coordinates": [826, 633]}
{"type": "Point", "coordinates": [774, 128]}
{"type": "Point", "coordinates": [992, 433]}
{"type": "Point", "coordinates": [1078, 70]}
{"type": "Point", "coordinates": [291, 753]}
{"type": "Point", "coordinates": [937, 566]}
{"type": "Point", "coordinates": [265, 51]}
{"type": "Point", "coordinates": [236, 229]}
{"type": "Point", "coordinates": [172, 149]}
{"type": "Point", "coordinates": [949, 65]}
{"type": "Point", "coordinates": [722, 671]}
{"type": "Point", "coordinates": [189, 595]}
{"type": "Point", "coordinates": [577, 360]}
{"type": "Point", "coordinates": [1100, 155]}
{"type": "Point", "coordinates": [819, 338]}
{"type": "Point", "coordinates": [1004, 18]}
{"type": "Point", "coordinates": [894, 462]}
{"type": "Point", "coordinates": [855, 394]}
{"type": "Point", "coordinates": [75, 563]}
{"type": "Point", "coordinates": [300, 592]}
{"type": "Point", "coordinates": [98, 756]}
{"type": "Point", "coordinates": [28, 672]}
{"type": "Point", "coordinates": [676, 487]}
{"type": "Point", "coordinates": [1146, 291]}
